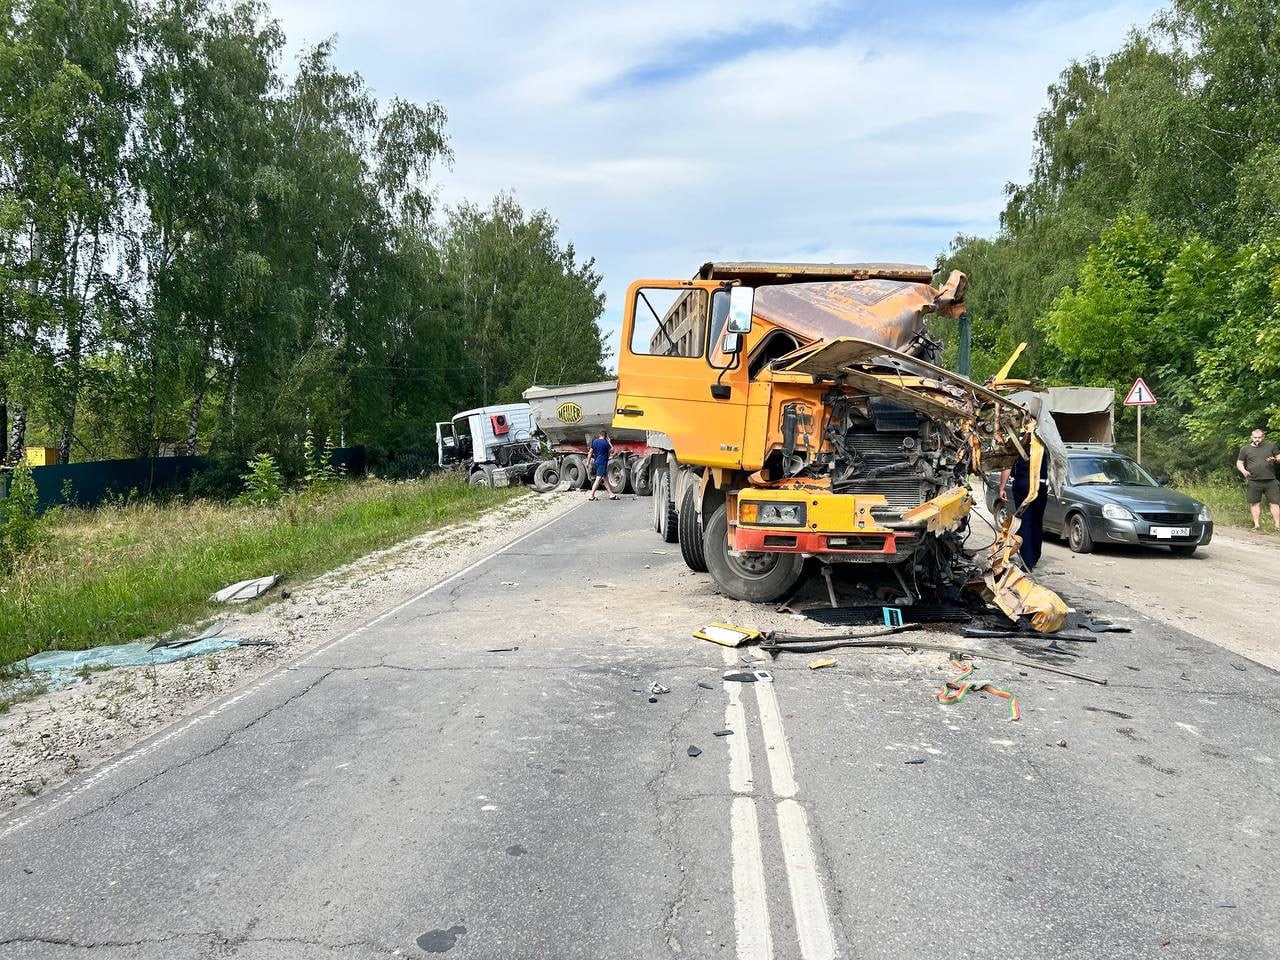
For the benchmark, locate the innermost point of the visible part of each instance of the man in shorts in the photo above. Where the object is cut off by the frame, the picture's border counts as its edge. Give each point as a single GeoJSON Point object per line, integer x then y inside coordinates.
{"type": "Point", "coordinates": [1257, 464]}
{"type": "Point", "coordinates": [601, 448]}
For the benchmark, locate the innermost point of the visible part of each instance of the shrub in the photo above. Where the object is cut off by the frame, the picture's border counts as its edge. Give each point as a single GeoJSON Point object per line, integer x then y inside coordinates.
{"type": "Point", "coordinates": [20, 526]}
{"type": "Point", "coordinates": [262, 484]}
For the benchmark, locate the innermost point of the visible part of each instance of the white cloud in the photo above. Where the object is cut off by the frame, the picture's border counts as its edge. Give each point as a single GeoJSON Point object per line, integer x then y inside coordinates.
{"type": "Point", "coordinates": [810, 134]}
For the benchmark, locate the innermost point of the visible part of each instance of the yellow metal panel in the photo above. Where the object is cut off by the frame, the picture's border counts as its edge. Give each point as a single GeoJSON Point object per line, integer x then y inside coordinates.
{"type": "Point", "coordinates": [944, 511]}
{"type": "Point", "coordinates": [42, 456]}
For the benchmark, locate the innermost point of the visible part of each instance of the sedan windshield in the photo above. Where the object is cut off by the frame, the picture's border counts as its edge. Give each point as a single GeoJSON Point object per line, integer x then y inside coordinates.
{"type": "Point", "coordinates": [1109, 470]}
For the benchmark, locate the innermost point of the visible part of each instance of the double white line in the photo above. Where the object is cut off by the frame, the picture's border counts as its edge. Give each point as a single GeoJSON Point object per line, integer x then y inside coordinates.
{"type": "Point", "coordinates": [751, 901]}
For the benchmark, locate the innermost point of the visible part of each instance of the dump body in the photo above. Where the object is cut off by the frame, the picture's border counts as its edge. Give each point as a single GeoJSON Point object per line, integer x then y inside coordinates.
{"type": "Point", "coordinates": [1085, 416]}
{"type": "Point", "coordinates": [575, 413]}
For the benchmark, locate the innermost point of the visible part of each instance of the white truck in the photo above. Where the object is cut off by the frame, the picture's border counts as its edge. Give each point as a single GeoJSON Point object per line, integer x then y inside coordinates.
{"type": "Point", "coordinates": [495, 446]}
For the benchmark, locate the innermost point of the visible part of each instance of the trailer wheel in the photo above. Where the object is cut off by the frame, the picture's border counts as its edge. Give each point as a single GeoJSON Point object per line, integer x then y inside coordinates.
{"type": "Point", "coordinates": [546, 477]}
{"type": "Point", "coordinates": [574, 469]}
{"type": "Point", "coordinates": [665, 519]}
{"type": "Point", "coordinates": [617, 476]}
{"type": "Point", "coordinates": [755, 577]}
{"type": "Point", "coordinates": [482, 476]}
{"type": "Point", "coordinates": [691, 532]}
{"type": "Point", "coordinates": [640, 481]}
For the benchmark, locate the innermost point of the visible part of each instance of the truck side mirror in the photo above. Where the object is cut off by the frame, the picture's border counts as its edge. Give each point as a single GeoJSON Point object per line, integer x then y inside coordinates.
{"type": "Point", "coordinates": [731, 344]}
{"type": "Point", "coordinates": [741, 304]}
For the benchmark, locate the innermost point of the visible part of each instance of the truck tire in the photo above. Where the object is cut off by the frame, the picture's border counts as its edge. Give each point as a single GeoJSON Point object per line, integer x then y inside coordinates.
{"type": "Point", "coordinates": [640, 482]}
{"type": "Point", "coordinates": [482, 476]}
{"type": "Point", "coordinates": [574, 469]}
{"type": "Point", "coordinates": [691, 532]}
{"type": "Point", "coordinates": [546, 477]}
{"type": "Point", "coordinates": [617, 476]}
{"type": "Point", "coordinates": [754, 577]}
{"type": "Point", "coordinates": [665, 519]}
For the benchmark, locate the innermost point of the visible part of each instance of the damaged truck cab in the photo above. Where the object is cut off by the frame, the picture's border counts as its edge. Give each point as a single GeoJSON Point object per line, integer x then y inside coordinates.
{"type": "Point", "coordinates": [799, 413]}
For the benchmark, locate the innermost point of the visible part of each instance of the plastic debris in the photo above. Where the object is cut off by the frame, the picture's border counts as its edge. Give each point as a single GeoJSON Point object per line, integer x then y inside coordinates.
{"type": "Point", "coordinates": [246, 590]}
{"type": "Point", "coordinates": [726, 634]}
{"type": "Point", "coordinates": [823, 662]}
{"type": "Point", "coordinates": [723, 733]}
{"type": "Point", "coordinates": [694, 751]}
{"type": "Point", "coordinates": [740, 677]}
{"type": "Point", "coordinates": [657, 689]}
{"type": "Point", "coordinates": [706, 686]}
{"type": "Point", "coordinates": [58, 668]}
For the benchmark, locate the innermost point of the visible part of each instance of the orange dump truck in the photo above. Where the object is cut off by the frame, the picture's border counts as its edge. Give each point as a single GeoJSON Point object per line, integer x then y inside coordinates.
{"type": "Point", "coordinates": [799, 413]}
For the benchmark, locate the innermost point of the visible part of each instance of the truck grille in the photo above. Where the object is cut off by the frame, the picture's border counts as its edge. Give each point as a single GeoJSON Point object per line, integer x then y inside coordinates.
{"type": "Point", "coordinates": [1172, 519]}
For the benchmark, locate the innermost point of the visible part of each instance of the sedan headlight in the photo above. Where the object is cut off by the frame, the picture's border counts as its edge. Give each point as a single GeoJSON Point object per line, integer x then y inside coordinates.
{"type": "Point", "coordinates": [1113, 511]}
{"type": "Point", "coordinates": [772, 514]}
{"type": "Point", "coordinates": [1205, 515]}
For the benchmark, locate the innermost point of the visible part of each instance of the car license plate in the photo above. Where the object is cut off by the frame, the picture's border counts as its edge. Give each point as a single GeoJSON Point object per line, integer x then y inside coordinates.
{"type": "Point", "coordinates": [1168, 533]}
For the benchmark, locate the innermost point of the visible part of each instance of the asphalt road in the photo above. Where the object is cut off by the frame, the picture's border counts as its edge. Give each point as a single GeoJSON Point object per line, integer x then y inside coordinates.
{"type": "Point", "coordinates": [415, 788]}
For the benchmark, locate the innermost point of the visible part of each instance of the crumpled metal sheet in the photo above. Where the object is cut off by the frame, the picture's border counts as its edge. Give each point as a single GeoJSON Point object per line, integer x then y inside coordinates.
{"type": "Point", "coordinates": [888, 312]}
{"type": "Point", "coordinates": [246, 590]}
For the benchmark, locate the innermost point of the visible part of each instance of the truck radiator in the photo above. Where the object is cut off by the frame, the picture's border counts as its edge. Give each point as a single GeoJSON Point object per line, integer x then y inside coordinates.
{"type": "Point", "coordinates": [902, 491]}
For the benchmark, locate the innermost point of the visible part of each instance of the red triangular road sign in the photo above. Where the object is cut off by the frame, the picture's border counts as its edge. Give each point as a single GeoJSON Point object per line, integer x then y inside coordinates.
{"type": "Point", "coordinates": [1140, 395]}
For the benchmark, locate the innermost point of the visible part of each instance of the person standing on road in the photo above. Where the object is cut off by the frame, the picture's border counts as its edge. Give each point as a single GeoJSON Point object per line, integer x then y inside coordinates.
{"type": "Point", "coordinates": [1031, 529]}
{"type": "Point", "coordinates": [601, 448]}
{"type": "Point", "coordinates": [1257, 464]}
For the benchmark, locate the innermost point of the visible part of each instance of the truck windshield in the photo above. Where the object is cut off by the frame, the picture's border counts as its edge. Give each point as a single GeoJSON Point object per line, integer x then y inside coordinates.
{"type": "Point", "coordinates": [1109, 470]}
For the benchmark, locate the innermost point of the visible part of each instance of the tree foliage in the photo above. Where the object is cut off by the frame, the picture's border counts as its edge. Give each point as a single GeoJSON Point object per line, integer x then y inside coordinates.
{"type": "Point", "coordinates": [198, 253]}
{"type": "Point", "coordinates": [1144, 240]}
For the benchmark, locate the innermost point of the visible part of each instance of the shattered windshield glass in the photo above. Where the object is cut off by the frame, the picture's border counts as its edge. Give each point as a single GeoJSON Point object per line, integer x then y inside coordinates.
{"type": "Point", "coordinates": [1109, 470]}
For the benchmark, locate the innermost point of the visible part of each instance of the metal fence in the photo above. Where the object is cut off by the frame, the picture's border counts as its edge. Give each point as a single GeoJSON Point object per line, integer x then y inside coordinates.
{"type": "Point", "coordinates": [90, 483]}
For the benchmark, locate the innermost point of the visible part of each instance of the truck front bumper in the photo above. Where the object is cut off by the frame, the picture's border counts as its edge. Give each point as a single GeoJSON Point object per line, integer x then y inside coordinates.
{"type": "Point", "coordinates": [838, 525]}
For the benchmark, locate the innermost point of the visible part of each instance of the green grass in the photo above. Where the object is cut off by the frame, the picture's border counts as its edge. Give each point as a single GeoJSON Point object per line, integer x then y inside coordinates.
{"type": "Point", "coordinates": [115, 574]}
{"type": "Point", "coordinates": [1226, 500]}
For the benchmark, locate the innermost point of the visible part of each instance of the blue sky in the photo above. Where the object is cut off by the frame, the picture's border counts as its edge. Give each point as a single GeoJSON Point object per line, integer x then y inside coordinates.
{"type": "Point", "coordinates": [665, 134]}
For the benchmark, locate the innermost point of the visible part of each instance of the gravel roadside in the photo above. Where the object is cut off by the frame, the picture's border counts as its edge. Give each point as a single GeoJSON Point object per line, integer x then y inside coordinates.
{"type": "Point", "coordinates": [46, 740]}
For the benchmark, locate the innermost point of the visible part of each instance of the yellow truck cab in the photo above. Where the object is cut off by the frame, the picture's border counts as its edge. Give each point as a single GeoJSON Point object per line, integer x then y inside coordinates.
{"type": "Point", "coordinates": [799, 413]}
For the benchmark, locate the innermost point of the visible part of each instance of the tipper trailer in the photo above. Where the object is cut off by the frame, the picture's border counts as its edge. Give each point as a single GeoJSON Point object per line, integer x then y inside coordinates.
{"type": "Point", "coordinates": [800, 414]}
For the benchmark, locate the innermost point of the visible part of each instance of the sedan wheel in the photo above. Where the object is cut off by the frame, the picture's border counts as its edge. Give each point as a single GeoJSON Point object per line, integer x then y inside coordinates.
{"type": "Point", "coordinates": [1078, 537]}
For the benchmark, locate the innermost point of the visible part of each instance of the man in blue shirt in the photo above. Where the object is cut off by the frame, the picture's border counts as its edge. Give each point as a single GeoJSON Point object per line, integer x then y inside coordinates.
{"type": "Point", "coordinates": [600, 450]}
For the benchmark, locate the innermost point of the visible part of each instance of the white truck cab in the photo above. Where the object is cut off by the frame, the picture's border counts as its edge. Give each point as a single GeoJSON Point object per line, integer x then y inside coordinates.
{"type": "Point", "coordinates": [494, 445]}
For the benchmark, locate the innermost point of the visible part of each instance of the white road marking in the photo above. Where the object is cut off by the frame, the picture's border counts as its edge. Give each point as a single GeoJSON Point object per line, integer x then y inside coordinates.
{"type": "Point", "coordinates": [813, 924]}
{"type": "Point", "coordinates": [735, 719]}
{"type": "Point", "coordinates": [750, 904]}
{"type": "Point", "coordinates": [151, 746]}
{"type": "Point", "coordinates": [775, 742]}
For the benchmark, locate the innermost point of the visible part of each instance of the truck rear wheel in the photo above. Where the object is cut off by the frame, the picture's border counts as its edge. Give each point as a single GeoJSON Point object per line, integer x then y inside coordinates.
{"type": "Point", "coordinates": [755, 577]}
{"type": "Point", "coordinates": [617, 476]}
{"type": "Point", "coordinates": [665, 519]}
{"type": "Point", "coordinates": [691, 532]}
{"type": "Point", "coordinates": [640, 477]}
{"type": "Point", "coordinates": [574, 469]}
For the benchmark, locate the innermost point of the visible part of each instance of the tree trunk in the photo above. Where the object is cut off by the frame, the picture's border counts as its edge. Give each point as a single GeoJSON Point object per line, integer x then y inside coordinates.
{"type": "Point", "coordinates": [193, 422]}
{"type": "Point", "coordinates": [73, 391]}
{"type": "Point", "coordinates": [4, 425]}
{"type": "Point", "coordinates": [18, 433]}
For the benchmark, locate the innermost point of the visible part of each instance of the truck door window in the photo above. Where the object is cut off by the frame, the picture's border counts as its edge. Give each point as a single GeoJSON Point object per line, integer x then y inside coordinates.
{"type": "Point", "coordinates": [719, 321]}
{"type": "Point", "coordinates": [669, 323]}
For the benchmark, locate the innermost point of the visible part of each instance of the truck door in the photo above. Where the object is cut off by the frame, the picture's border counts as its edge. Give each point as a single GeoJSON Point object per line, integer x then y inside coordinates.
{"type": "Point", "coordinates": [446, 444]}
{"type": "Point", "coordinates": [673, 376]}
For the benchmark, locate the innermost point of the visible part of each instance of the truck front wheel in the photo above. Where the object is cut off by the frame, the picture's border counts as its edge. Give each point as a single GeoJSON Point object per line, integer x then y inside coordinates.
{"type": "Point", "coordinates": [755, 577]}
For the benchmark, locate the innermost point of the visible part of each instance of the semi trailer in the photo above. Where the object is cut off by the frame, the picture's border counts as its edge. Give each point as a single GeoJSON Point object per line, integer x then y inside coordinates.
{"type": "Point", "coordinates": [798, 412]}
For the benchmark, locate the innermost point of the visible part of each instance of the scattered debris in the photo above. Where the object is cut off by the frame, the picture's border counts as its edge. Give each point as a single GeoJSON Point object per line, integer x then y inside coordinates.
{"type": "Point", "coordinates": [956, 688]}
{"type": "Point", "coordinates": [726, 634]}
{"type": "Point", "coordinates": [823, 662]}
{"type": "Point", "coordinates": [890, 616]}
{"type": "Point", "coordinates": [246, 590]}
{"type": "Point", "coordinates": [1062, 743]}
{"type": "Point", "coordinates": [706, 686]}
{"type": "Point", "coordinates": [57, 668]}
{"type": "Point", "coordinates": [915, 761]}
{"type": "Point", "coordinates": [658, 689]}
{"type": "Point", "coordinates": [694, 751]}
{"type": "Point", "coordinates": [1104, 626]}
{"type": "Point", "coordinates": [502, 650]}
{"type": "Point", "coordinates": [653, 699]}
{"type": "Point", "coordinates": [510, 583]}
{"type": "Point", "coordinates": [740, 677]}
{"type": "Point", "coordinates": [723, 733]}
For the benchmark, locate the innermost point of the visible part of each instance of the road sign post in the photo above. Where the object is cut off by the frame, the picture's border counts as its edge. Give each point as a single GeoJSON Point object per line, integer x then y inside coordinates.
{"type": "Point", "coordinates": [1140, 396]}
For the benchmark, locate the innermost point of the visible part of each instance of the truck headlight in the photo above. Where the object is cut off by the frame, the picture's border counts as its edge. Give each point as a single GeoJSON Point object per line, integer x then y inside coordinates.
{"type": "Point", "coordinates": [772, 514]}
{"type": "Point", "coordinates": [1205, 515]}
{"type": "Point", "coordinates": [1113, 511]}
